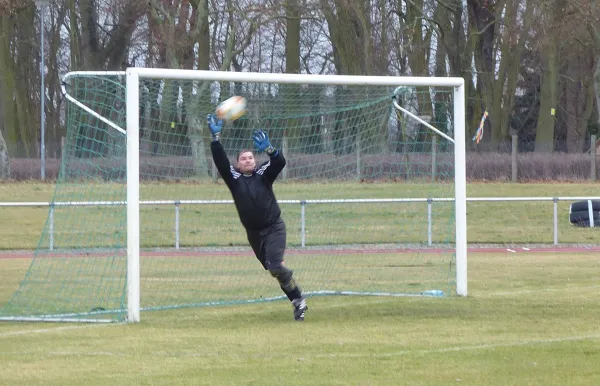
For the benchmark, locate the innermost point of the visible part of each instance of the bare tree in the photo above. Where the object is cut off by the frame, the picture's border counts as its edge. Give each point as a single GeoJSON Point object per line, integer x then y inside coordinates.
{"type": "Point", "coordinates": [55, 67]}
{"type": "Point", "coordinates": [104, 39]}
{"type": "Point", "coordinates": [579, 66]}
{"type": "Point", "coordinates": [292, 93]}
{"type": "Point", "coordinates": [549, 32]}
{"type": "Point", "coordinates": [19, 79]}
{"type": "Point", "coordinates": [350, 27]}
{"type": "Point", "coordinates": [11, 7]}
{"type": "Point", "coordinates": [512, 37]}
{"type": "Point", "coordinates": [4, 158]}
{"type": "Point", "coordinates": [350, 32]}
{"type": "Point", "coordinates": [483, 21]}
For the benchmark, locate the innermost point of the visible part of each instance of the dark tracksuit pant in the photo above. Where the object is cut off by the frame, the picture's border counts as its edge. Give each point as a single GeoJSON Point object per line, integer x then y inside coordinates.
{"type": "Point", "coordinates": [269, 244]}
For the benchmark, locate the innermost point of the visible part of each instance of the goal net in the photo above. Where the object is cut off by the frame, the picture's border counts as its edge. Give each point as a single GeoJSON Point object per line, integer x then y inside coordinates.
{"type": "Point", "coordinates": [372, 194]}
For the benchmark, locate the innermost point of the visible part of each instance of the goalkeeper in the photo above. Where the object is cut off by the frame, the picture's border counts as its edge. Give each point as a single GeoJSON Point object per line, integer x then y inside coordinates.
{"type": "Point", "coordinates": [252, 191]}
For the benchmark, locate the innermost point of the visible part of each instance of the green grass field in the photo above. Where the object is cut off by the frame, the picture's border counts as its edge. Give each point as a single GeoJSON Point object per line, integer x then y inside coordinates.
{"type": "Point", "coordinates": [488, 222]}
{"type": "Point", "coordinates": [530, 317]}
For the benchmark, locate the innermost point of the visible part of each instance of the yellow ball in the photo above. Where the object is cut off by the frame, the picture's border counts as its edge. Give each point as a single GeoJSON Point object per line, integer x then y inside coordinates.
{"type": "Point", "coordinates": [232, 108]}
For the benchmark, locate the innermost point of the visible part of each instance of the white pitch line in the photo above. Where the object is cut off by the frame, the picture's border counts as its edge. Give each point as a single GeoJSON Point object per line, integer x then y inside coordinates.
{"type": "Point", "coordinates": [50, 330]}
{"type": "Point", "coordinates": [521, 292]}
{"type": "Point", "coordinates": [91, 353]}
{"type": "Point", "coordinates": [490, 346]}
{"type": "Point", "coordinates": [466, 348]}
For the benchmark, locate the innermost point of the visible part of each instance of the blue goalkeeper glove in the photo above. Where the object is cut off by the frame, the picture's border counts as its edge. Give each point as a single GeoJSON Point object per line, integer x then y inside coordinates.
{"type": "Point", "coordinates": [215, 126]}
{"type": "Point", "coordinates": [262, 143]}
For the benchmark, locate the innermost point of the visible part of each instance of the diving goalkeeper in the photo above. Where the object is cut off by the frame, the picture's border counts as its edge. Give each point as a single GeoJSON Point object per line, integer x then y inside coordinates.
{"type": "Point", "coordinates": [252, 191]}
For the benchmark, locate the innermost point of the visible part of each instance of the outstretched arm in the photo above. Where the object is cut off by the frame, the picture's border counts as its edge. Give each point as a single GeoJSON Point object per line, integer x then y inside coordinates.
{"type": "Point", "coordinates": [270, 169]}
{"type": "Point", "coordinates": [218, 153]}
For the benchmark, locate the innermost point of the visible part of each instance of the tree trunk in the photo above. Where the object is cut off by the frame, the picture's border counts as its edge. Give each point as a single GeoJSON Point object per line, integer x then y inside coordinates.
{"type": "Point", "coordinates": [579, 96]}
{"type": "Point", "coordinates": [197, 106]}
{"type": "Point", "coordinates": [54, 129]}
{"type": "Point", "coordinates": [544, 133]}
{"type": "Point", "coordinates": [515, 53]}
{"type": "Point", "coordinates": [597, 87]}
{"type": "Point", "coordinates": [482, 17]}
{"type": "Point", "coordinates": [4, 104]}
{"type": "Point", "coordinates": [297, 134]}
{"type": "Point", "coordinates": [350, 33]}
{"type": "Point", "coordinates": [7, 85]}
{"type": "Point", "coordinates": [460, 53]}
{"type": "Point", "coordinates": [75, 39]}
{"type": "Point", "coordinates": [292, 37]}
{"type": "Point", "coordinates": [513, 39]}
{"type": "Point", "coordinates": [28, 80]}
{"type": "Point", "coordinates": [4, 159]}
{"type": "Point", "coordinates": [383, 48]}
{"type": "Point", "coordinates": [595, 35]}
{"type": "Point", "coordinates": [19, 72]}
{"type": "Point", "coordinates": [418, 61]}
{"type": "Point", "coordinates": [498, 83]}
{"type": "Point", "coordinates": [549, 82]}
{"type": "Point", "coordinates": [197, 139]}
{"type": "Point", "coordinates": [99, 53]}
{"type": "Point", "coordinates": [441, 100]}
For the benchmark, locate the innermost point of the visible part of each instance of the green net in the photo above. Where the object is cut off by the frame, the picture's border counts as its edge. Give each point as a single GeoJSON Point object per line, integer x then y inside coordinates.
{"type": "Point", "coordinates": [366, 197]}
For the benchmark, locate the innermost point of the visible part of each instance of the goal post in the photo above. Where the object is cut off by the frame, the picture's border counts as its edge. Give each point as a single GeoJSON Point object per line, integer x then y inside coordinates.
{"type": "Point", "coordinates": [132, 87]}
{"type": "Point", "coordinates": [365, 181]}
{"type": "Point", "coordinates": [457, 83]}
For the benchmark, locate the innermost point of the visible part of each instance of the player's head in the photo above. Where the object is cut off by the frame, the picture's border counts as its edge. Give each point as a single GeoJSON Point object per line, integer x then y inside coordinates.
{"type": "Point", "coordinates": [246, 161]}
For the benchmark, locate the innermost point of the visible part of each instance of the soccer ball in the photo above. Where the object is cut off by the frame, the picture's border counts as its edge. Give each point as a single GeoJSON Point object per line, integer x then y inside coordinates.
{"type": "Point", "coordinates": [232, 108]}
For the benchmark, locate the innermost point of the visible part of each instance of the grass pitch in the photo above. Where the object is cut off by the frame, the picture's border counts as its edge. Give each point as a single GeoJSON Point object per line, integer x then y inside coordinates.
{"type": "Point", "coordinates": [530, 319]}
{"type": "Point", "coordinates": [488, 222]}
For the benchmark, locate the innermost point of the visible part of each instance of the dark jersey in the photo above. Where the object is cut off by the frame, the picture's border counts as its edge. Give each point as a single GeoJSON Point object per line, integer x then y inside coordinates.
{"type": "Point", "coordinates": [253, 194]}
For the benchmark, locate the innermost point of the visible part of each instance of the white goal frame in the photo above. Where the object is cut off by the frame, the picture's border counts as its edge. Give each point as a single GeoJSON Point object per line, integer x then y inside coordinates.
{"type": "Point", "coordinates": [133, 76]}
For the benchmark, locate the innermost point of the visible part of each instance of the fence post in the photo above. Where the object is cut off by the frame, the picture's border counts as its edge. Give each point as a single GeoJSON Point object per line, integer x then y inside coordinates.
{"type": "Point", "coordinates": [555, 220]}
{"type": "Point", "coordinates": [177, 203]}
{"type": "Point", "coordinates": [213, 171]}
{"type": "Point", "coordinates": [303, 222]}
{"type": "Point", "coordinates": [593, 157]}
{"type": "Point", "coordinates": [284, 149]}
{"type": "Point", "coordinates": [515, 149]}
{"type": "Point", "coordinates": [358, 160]}
{"type": "Point", "coordinates": [429, 222]}
{"type": "Point", "coordinates": [51, 227]}
{"type": "Point", "coordinates": [433, 157]}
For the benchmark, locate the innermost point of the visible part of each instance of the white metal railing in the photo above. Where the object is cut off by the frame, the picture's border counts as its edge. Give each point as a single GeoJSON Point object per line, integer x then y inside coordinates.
{"type": "Point", "coordinates": [303, 203]}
